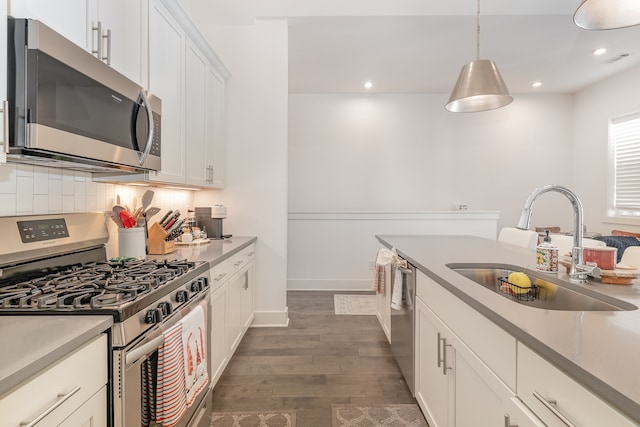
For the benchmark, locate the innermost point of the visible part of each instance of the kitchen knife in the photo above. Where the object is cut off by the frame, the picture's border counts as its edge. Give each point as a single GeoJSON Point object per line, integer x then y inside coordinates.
{"type": "Point", "coordinates": [169, 224]}
{"type": "Point", "coordinates": [176, 225]}
{"type": "Point", "coordinates": [165, 218]}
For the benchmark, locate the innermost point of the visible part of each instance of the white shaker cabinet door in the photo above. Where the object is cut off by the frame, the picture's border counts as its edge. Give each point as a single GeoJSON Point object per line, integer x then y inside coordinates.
{"type": "Point", "coordinates": [124, 35]}
{"type": "Point", "coordinates": [166, 80]}
{"type": "Point", "coordinates": [215, 87]}
{"type": "Point", "coordinates": [196, 155]}
{"type": "Point", "coordinates": [67, 17]}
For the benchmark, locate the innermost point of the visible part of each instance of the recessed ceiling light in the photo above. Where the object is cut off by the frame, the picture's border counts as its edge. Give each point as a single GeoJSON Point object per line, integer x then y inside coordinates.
{"type": "Point", "coordinates": [368, 85]}
{"type": "Point", "coordinates": [536, 84]}
{"type": "Point", "coordinates": [599, 51]}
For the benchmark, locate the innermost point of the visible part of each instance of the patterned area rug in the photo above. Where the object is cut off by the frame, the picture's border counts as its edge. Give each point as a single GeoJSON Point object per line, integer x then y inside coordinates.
{"type": "Point", "coordinates": [254, 419]}
{"type": "Point", "coordinates": [355, 304]}
{"type": "Point", "coordinates": [377, 415]}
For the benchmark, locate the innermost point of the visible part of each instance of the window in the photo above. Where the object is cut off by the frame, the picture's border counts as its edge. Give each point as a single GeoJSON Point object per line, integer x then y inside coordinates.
{"type": "Point", "coordinates": [624, 152]}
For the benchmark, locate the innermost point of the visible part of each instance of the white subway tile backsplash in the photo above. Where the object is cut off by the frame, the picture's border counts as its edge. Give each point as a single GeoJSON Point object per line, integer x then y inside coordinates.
{"type": "Point", "coordinates": [24, 202]}
{"type": "Point", "coordinates": [8, 204]}
{"type": "Point", "coordinates": [8, 182]}
{"type": "Point", "coordinates": [80, 194]}
{"type": "Point", "coordinates": [36, 190]}
{"type": "Point", "coordinates": [40, 204]}
{"type": "Point", "coordinates": [55, 195]}
{"type": "Point", "coordinates": [41, 181]}
{"type": "Point", "coordinates": [68, 183]}
{"type": "Point", "coordinates": [68, 203]}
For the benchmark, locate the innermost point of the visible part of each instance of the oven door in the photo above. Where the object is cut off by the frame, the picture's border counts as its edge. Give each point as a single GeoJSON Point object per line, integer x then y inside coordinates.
{"type": "Point", "coordinates": [133, 381]}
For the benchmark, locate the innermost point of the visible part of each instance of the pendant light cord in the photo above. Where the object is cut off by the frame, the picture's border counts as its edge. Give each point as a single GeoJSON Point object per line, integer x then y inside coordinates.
{"type": "Point", "coordinates": [478, 32]}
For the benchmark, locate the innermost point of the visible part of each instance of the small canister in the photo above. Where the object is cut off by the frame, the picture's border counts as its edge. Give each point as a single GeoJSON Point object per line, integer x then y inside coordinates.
{"type": "Point", "coordinates": [547, 256]}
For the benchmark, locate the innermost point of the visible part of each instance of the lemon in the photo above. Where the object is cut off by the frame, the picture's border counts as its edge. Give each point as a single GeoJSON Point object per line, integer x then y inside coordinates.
{"type": "Point", "coordinates": [546, 289]}
{"type": "Point", "coordinates": [519, 279]}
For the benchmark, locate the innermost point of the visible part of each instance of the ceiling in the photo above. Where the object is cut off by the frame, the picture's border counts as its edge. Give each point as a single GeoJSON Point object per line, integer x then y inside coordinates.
{"type": "Point", "coordinates": [419, 46]}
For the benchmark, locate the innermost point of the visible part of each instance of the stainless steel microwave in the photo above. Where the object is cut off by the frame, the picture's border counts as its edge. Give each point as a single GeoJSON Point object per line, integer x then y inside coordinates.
{"type": "Point", "coordinates": [69, 109]}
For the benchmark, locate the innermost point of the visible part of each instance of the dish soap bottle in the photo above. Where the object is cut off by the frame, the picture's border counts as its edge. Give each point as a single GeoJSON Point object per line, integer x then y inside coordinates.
{"type": "Point", "coordinates": [547, 255]}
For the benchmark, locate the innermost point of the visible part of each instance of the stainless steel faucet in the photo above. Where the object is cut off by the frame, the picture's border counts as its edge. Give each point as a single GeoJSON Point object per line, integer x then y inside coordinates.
{"type": "Point", "coordinates": [579, 270]}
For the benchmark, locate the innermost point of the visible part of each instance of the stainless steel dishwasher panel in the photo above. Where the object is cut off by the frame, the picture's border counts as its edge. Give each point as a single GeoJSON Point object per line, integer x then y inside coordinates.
{"type": "Point", "coordinates": [402, 326]}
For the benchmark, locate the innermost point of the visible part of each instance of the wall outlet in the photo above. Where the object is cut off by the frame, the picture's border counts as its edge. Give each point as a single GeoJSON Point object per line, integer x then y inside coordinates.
{"type": "Point", "coordinates": [372, 264]}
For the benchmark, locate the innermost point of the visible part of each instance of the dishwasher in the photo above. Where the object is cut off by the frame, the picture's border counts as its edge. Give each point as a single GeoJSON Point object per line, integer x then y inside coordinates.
{"type": "Point", "coordinates": [402, 324]}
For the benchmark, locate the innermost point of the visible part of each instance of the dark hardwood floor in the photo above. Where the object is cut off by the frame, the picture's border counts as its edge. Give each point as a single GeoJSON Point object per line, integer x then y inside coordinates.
{"type": "Point", "coordinates": [319, 360]}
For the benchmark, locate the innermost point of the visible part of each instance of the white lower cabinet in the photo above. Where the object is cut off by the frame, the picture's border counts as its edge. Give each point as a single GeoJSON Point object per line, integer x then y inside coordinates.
{"type": "Point", "coordinates": [71, 392]}
{"type": "Point", "coordinates": [231, 307]}
{"type": "Point", "coordinates": [557, 399]}
{"type": "Point", "coordinates": [454, 385]}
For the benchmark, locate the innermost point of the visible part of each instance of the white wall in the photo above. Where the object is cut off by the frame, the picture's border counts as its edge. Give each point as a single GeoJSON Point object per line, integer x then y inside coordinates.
{"type": "Point", "coordinates": [407, 153]}
{"type": "Point", "coordinates": [594, 107]}
{"type": "Point", "coordinates": [256, 153]}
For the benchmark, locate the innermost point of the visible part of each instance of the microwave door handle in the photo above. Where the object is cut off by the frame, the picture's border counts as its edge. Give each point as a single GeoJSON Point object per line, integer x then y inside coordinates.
{"type": "Point", "coordinates": [142, 156]}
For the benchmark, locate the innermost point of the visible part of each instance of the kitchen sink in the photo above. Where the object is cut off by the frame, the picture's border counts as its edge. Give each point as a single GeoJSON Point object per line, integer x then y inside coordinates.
{"type": "Point", "coordinates": [548, 292]}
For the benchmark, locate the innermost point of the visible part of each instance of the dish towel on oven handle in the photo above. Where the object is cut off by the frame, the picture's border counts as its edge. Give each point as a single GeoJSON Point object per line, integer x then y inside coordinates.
{"type": "Point", "coordinates": [194, 343]}
{"type": "Point", "coordinates": [384, 259]}
{"type": "Point", "coordinates": [171, 398]}
{"type": "Point", "coordinates": [397, 296]}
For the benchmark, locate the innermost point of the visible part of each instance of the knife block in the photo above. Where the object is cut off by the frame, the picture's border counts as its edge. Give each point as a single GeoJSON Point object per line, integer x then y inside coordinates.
{"type": "Point", "coordinates": [157, 244]}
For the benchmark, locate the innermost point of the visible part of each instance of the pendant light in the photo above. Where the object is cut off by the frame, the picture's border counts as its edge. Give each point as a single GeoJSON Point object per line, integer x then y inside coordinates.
{"type": "Point", "coordinates": [607, 14]}
{"type": "Point", "coordinates": [479, 86]}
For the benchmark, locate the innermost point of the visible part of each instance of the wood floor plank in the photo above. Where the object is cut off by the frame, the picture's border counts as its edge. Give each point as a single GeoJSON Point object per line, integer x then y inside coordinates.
{"type": "Point", "coordinates": [320, 359]}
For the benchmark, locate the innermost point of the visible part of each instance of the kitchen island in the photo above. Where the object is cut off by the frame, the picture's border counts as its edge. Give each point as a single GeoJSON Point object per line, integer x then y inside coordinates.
{"type": "Point", "coordinates": [597, 349]}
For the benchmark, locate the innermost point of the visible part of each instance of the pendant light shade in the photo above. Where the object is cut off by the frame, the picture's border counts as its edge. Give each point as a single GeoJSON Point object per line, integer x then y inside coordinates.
{"type": "Point", "coordinates": [479, 88]}
{"type": "Point", "coordinates": [607, 14]}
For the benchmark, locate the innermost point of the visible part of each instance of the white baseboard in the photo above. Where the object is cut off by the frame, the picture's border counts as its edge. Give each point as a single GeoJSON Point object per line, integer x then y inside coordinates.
{"type": "Point", "coordinates": [271, 319]}
{"type": "Point", "coordinates": [329, 284]}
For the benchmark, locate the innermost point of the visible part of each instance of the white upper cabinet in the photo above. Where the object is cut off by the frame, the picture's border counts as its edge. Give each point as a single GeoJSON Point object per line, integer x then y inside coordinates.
{"type": "Point", "coordinates": [197, 166]}
{"type": "Point", "coordinates": [114, 30]}
{"type": "Point", "coordinates": [117, 29]}
{"type": "Point", "coordinates": [167, 41]}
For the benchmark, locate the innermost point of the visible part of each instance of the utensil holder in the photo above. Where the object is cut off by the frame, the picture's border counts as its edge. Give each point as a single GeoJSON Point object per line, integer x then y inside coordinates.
{"type": "Point", "coordinates": [131, 243]}
{"type": "Point", "coordinates": [157, 244]}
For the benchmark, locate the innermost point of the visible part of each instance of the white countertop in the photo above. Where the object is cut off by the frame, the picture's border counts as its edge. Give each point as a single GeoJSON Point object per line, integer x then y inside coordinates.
{"type": "Point", "coordinates": [599, 349]}
{"type": "Point", "coordinates": [31, 343]}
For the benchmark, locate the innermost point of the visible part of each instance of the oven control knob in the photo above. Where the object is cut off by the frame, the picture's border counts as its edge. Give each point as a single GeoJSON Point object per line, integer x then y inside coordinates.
{"type": "Point", "coordinates": [182, 296]}
{"type": "Point", "coordinates": [196, 286]}
{"type": "Point", "coordinates": [153, 316]}
{"type": "Point", "coordinates": [165, 308]}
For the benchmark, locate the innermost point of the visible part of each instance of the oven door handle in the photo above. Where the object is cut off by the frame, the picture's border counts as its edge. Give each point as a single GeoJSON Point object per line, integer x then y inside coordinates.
{"type": "Point", "coordinates": [137, 353]}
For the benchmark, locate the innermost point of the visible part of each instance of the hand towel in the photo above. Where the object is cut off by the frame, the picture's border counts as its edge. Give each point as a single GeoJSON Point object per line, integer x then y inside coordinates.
{"type": "Point", "coordinates": [149, 382]}
{"type": "Point", "coordinates": [384, 257]}
{"type": "Point", "coordinates": [398, 299]}
{"type": "Point", "coordinates": [194, 343]}
{"type": "Point", "coordinates": [171, 399]}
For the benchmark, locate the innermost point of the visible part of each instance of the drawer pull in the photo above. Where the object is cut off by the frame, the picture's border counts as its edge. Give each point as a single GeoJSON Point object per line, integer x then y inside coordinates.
{"type": "Point", "coordinates": [237, 263]}
{"type": "Point", "coordinates": [219, 276]}
{"type": "Point", "coordinates": [62, 397]}
{"type": "Point", "coordinates": [507, 421]}
{"type": "Point", "coordinates": [251, 253]}
{"type": "Point", "coordinates": [550, 405]}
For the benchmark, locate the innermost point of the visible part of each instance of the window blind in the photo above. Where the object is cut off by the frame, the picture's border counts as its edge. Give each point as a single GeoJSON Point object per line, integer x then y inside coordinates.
{"type": "Point", "coordinates": [625, 135]}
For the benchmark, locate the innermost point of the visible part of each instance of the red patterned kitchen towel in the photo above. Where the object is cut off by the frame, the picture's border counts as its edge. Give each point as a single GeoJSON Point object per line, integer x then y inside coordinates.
{"type": "Point", "coordinates": [171, 397]}
{"type": "Point", "coordinates": [194, 343]}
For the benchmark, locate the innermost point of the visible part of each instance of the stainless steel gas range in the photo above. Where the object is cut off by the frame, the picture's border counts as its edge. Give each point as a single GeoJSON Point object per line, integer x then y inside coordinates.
{"type": "Point", "coordinates": [57, 264]}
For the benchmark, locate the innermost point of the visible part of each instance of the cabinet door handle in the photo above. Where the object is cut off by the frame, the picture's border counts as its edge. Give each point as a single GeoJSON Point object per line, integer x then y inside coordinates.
{"type": "Point", "coordinates": [5, 126]}
{"type": "Point", "coordinates": [507, 421]}
{"type": "Point", "coordinates": [62, 397]}
{"type": "Point", "coordinates": [96, 29]}
{"type": "Point", "coordinates": [439, 350]}
{"type": "Point", "coordinates": [107, 58]}
{"type": "Point", "coordinates": [550, 405]}
{"type": "Point", "coordinates": [246, 280]}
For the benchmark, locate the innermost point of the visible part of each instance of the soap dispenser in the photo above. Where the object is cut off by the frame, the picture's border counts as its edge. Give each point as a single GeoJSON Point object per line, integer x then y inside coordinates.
{"type": "Point", "coordinates": [547, 255]}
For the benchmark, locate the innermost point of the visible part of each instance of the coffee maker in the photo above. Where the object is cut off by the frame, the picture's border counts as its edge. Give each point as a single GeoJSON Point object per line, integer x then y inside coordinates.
{"type": "Point", "coordinates": [211, 219]}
